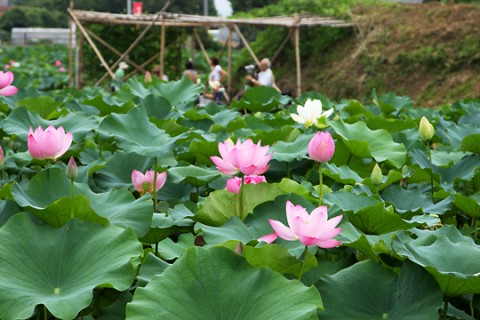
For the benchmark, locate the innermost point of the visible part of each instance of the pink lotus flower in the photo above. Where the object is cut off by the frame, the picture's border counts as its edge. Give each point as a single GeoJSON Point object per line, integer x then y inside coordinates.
{"type": "Point", "coordinates": [144, 182]}
{"type": "Point", "coordinates": [247, 157]}
{"type": "Point", "coordinates": [312, 230]}
{"type": "Point", "coordinates": [148, 77]}
{"type": "Point", "coordinates": [7, 66]}
{"type": "Point", "coordinates": [321, 148]}
{"type": "Point", "coordinates": [49, 144]}
{"type": "Point", "coordinates": [234, 184]}
{"type": "Point", "coordinates": [62, 69]}
{"type": "Point", "coordinates": [58, 63]}
{"type": "Point", "coordinates": [6, 79]}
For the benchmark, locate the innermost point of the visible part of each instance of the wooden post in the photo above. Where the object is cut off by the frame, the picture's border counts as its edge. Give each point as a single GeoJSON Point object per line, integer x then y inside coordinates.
{"type": "Point", "coordinates": [130, 48]}
{"type": "Point", "coordinates": [70, 59]}
{"type": "Point", "coordinates": [245, 43]}
{"type": "Point", "coordinates": [162, 47]}
{"type": "Point", "coordinates": [92, 44]}
{"type": "Point", "coordinates": [297, 58]}
{"type": "Point", "coordinates": [118, 53]}
{"type": "Point", "coordinates": [229, 83]}
{"type": "Point", "coordinates": [205, 54]}
{"type": "Point", "coordinates": [80, 40]}
{"type": "Point", "coordinates": [275, 56]}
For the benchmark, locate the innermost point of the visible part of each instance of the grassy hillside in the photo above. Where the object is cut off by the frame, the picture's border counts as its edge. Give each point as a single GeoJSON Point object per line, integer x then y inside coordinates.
{"type": "Point", "coordinates": [429, 52]}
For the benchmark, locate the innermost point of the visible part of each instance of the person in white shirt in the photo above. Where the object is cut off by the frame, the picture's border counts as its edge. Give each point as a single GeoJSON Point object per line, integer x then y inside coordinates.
{"type": "Point", "coordinates": [215, 79]}
{"type": "Point", "coordinates": [265, 77]}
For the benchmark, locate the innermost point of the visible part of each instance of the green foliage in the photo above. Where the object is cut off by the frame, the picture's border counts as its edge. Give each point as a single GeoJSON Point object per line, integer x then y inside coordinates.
{"type": "Point", "coordinates": [22, 17]}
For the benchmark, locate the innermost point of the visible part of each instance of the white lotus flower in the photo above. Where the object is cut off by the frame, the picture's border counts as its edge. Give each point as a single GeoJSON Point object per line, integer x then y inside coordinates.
{"type": "Point", "coordinates": [309, 114]}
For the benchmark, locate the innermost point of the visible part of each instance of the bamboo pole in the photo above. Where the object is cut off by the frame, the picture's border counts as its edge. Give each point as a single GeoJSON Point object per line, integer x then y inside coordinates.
{"type": "Point", "coordinates": [130, 48]}
{"type": "Point", "coordinates": [297, 59]}
{"type": "Point", "coordinates": [162, 48]}
{"type": "Point", "coordinates": [80, 61]}
{"type": "Point", "coordinates": [205, 54]}
{"type": "Point", "coordinates": [245, 43]}
{"type": "Point", "coordinates": [70, 52]}
{"type": "Point", "coordinates": [92, 44]}
{"type": "Point", "coordinates": [280, 48]}
{"type": "Point", "coordinates": [115, 51]}
{"type": "Point", "coordinates": [229, 83]}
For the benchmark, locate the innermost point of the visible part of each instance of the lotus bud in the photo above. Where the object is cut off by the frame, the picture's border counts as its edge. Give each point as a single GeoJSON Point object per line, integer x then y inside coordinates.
{"type": "Point", "coordinates": [376, 175]}
{"type": "Point", "coordinates": [148, 77]}
{"type": "Point", "coordinates": [322, 147]}
{"type": "Point", "coordinates": [2, 156]}
{"type": "Point", "coordinates": [426, 129]}
{"type": "Point", "coordinates": [72, 169]}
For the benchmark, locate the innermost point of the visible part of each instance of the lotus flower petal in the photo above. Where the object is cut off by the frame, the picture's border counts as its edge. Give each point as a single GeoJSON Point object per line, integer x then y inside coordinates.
{"type": "Point", "coordinates": [312, 230]}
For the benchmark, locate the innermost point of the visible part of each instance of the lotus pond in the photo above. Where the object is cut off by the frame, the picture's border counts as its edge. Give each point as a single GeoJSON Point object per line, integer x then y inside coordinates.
{"type": "Point", "coordinates": [85, 241]}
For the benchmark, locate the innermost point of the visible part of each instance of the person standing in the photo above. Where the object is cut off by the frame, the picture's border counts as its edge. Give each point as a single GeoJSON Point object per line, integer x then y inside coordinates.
{"type": "Point", "coordinates": [215, 78]}
{"type": "Point", "coordinates": [190, 71]}
{"type": "Point", "coordinates": [119, 74]}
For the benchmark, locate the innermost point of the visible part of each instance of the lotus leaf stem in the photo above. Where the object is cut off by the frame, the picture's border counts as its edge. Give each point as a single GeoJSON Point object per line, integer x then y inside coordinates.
{"type": "Point", "coordinates": [155, 200]}
{"type": "Point", "coordinates": [72, 190]}
{"type": "Point", "coordinates": [320, 176]}
{"type": "Point", "coordinates": [445, 308]}
{"type": "Point", "coordinates": [302, 263]}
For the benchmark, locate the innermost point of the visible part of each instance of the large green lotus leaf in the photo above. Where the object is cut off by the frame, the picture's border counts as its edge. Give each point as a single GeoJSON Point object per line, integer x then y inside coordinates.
{"type": "Point", "coordinates": [292, 186]}
{"type": "Point", "coordinates": [216, 283]}
{"type": "Point", "coordinates": [289, 151]}
{"type": "Point", "coordinates": [469, 205]}
{"type": "Point", "coordinates": [156, 106]}
{"type": "Point", "coordinates": [7, 209]}
{"type": "Point", "coordinates": [107, 104]}
{"type": "Point", "coordinates": [465, 169]}
{"type": "Point", "coordinates": [163, 226]}
{"type": "Point", "coordinates": [414, 200]}
{"type": "Point", "coordinates": [48, 195]}
{"type": "Point", "coordinates": [180, 93]}
{"type": "Point", "coordinates": [457, 272]}
{"type": "Point", "coordinates": [456, 133]}
{"type": "Point", "coordinates": [390, 103]}
{"type": "Point", "coordinates": [471, 143]}
{"type": "Point", "coordinates": [341, 174]}
{"type": "Point", "coordinates": [225, 116]}
{"type": "Point", "coordinates": [193, 175]}
{"type": "Point", "coordinates": [390, 124]}
{"type": "Point", "coordinates": [348, 201]}
{"type": "Point", "coordinates": [59, 267]}
{"type": "Point", "coordinates": [445, 158]}
{"type": "Point", "coordinates": [202, 151]}
{"type": "Point", "coordinates": [135, 133]}
{"type": "Point", "coordinates": [151, 266]}
{"type": "Point", "coordinates": [120, 207]}
{"type": "Point", "coordinates": [278, 258]}
{"type": "Point", "coordinates": [169, 249]}
{"type": "Point", "coordinates": [363, 142]}
{"type": "Point", "coordinates": [233, 229]}
{"type": "Point", "coordinates": [20, 120]}
{"type": "Point", "coordinates": [45, 106]}
{"type": "Point", "coordinates": [118, 170]}
{"type": "Point", "coordinates": [256, 99]}
{"type": "Point", "coordinates": [378, 220]}
{"type": "Point", "coordinates": [285, 133]}
{"type": "Point", "coordinates": [372, 246]}
{"type": "Point", "coordinates": [376, 292]}
{"type": "Point", "coordinates": [221, 205]}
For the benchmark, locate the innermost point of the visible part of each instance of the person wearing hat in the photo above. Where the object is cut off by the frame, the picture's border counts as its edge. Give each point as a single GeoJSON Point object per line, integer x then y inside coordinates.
{"type": "Point", "coordinates": [119, 74]}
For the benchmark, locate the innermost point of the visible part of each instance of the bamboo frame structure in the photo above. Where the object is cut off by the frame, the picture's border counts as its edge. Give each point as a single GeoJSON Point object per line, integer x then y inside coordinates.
{"type": "Point", "coordinates": [294, 24]}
